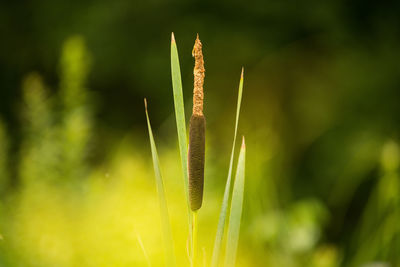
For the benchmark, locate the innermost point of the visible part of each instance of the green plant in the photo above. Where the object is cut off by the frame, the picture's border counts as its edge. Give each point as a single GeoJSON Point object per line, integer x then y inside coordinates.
{"type": "Point", "coordinates": [192, 162]}
{"type": "Point", "coordinates": [166, 229]}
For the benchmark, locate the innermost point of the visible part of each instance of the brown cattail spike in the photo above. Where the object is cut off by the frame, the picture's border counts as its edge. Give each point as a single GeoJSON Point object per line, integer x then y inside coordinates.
{"type": "Point", "coordinates": [197, 129]}
{"type": "Point", "coordinates": [196, 154]}
{"type": "Point", "coordinates": [198, 73]}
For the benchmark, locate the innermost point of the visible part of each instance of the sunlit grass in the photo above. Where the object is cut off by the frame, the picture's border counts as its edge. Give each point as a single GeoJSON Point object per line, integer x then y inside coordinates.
{"type": "Point", "coordinates": [236, 210]}
{"type": "Point", "coordinates": [165, 224]}
{"type": "Point", "coordinates": [97, 227]}
{"type": "Point", "coordinates": [224, 207]}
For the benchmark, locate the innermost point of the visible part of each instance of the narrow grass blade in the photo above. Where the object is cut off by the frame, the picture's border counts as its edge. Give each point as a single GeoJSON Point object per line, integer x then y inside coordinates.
{"type": "Point", "coordinates": [146, 255]}
{"type": "Point", "coordinates": [166, 227]}
{"type": "Point", "coordinates": [179, 111]}
{"type": "Point", "coordinates": [181, 125]}
{"type": "Point", "coordinates": [235, 214]}
{"type": "Point", "coordinates": [224, 208]}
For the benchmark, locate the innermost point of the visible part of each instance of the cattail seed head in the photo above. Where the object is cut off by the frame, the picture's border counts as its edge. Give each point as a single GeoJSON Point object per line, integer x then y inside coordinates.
{"type": "Point", "coordinates": [197, 130]}
{"type": "Point", "coordinates": [198, 73]}
{"type": "Point", "coordinates": [196, 160]}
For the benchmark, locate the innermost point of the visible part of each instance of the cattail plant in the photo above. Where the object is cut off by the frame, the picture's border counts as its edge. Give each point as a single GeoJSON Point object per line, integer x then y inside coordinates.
{"type": "Point", "coordinates": [197, 130]}
{"type": "Point", "coordinates": [192, 160]}
{"type": "Point", "coordinates": [196, 151]}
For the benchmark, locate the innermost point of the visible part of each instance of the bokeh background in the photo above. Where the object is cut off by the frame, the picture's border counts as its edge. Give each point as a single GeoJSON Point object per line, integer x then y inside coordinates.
{"type": "Point", "coordinates": [320, 113]}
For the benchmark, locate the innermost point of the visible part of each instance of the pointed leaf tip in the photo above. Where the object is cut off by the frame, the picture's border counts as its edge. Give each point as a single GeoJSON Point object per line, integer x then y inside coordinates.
{"type": "Point", "coordinates": [243, 142]}
{"type": "Point", "coordinates": [241, 75]}
{"type": "Point", "coordinates": [172, 37]}
{"type": "Point", "coordinates": [145, 104]}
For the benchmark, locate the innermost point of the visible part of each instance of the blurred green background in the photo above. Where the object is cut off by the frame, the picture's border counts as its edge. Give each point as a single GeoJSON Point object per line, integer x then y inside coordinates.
{"type": "Point", "coordinates": [320, 113]}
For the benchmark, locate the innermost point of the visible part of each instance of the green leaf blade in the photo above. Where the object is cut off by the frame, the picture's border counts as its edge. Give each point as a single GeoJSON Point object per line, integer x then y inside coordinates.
{"type": "Point", "coordinates": [235, 214]}
{"type": "Point", "coordinates": [224, 207]}
{"type": "Point", "coordinates": [181, 126]}
{"type": "Point", "coordinates": [179, 111]}
{"type": "Point", "coordinates": [165, 224]}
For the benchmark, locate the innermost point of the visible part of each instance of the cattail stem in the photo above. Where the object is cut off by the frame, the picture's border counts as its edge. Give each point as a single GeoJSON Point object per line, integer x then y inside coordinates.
{"type": "Point", "coordinates": [194, 239]}
{"type": "Point", "coordinates": [197, 129]}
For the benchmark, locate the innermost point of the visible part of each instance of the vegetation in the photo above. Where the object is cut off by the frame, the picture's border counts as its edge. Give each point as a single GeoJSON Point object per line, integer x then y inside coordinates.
{"type": "Point", "coordinates": [195, 169]}
{"type": "Point", "coordinates": [81, 185]}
